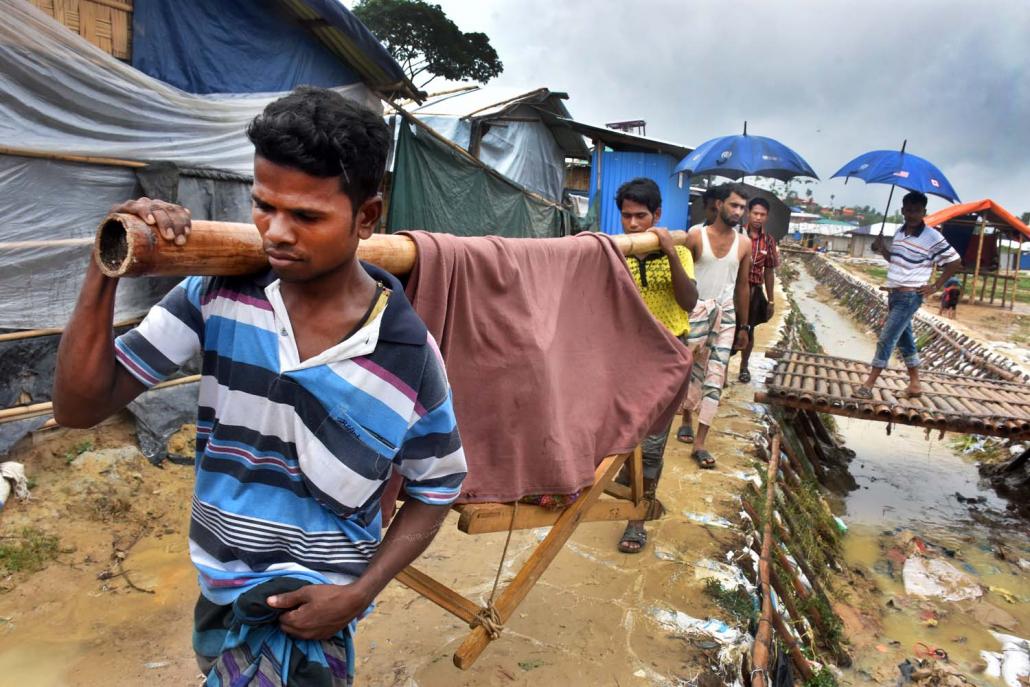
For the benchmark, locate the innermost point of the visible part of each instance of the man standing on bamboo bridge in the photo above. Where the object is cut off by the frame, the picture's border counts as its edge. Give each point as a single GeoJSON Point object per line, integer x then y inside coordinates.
{"type": "Point", "coordinates": [319, 380]}
{"type": "Point", "coordinates": [913, 254]}
{"type": "Point", "coordinates": [765, 258]}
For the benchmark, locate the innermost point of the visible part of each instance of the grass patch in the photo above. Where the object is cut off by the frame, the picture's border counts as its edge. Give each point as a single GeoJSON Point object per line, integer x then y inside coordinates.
{"type": "Point", "coordinates": [28, 551]}
{"type": "Point", "coordinates": [824, 678]}
{"type": "Point", "coordinates": [736, 602]}
{"type": "Point", "coordinates": [77, 450]}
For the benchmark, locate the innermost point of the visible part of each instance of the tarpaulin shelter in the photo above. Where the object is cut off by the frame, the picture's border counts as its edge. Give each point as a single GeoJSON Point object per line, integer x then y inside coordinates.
{"type": "Point", "coordinates": [618, 157]}
{"type": "Point", "coordinates": [516, 133]}
{"type": "Point", "coordinates": [981, 231]}
{"type": "Point", "coordinates": [81, 130]}
{"type": "Point", "coordinates": [438, 186]}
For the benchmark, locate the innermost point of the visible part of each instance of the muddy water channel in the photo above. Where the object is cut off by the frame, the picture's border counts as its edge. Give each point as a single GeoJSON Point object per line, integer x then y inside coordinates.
{"type": "Point", "coordinates": [919, 521]}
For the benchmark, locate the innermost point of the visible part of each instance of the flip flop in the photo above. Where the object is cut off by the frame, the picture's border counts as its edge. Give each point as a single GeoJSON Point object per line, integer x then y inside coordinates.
{"type": "Point", "coordinates": [705, 460]}
{"type": "Point", "coordinates": [911, 394]}
{"type": "Point", "coordinates": [633, 534]}
{"type": "Point", "coordinates": [863, 392]}
{"type": "Point", "coordinates": [685, 434]}
{"type": "Point", "coordinates": [744, 377]}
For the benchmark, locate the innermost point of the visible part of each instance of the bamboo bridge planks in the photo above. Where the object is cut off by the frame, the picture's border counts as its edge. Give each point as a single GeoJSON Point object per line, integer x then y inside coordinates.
{"type": "Point", "coordinates": [951, 402]}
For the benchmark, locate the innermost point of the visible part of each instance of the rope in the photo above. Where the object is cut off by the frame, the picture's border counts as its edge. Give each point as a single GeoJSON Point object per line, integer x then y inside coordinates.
{"type": "Point", "coordinates": [488, 618]}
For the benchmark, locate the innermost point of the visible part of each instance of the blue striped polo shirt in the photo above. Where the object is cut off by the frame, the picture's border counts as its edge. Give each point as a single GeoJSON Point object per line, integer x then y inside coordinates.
{"type": "Point", "coordinates": [914, 257]}
{"type": "Point", "coordinates": [292, 456]}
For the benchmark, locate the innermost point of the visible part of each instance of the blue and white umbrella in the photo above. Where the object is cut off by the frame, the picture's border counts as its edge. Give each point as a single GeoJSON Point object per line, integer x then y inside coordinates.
{"type": "Point", "coordinates": [736, 157]}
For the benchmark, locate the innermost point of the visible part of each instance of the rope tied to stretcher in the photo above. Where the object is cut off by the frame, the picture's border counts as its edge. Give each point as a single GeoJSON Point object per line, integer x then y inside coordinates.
{"type": "Point", "coordinates": [488, 617]}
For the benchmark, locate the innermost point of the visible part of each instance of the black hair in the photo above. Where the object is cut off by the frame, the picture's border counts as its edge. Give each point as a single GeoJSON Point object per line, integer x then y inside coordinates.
{"type": "Point", "coordinates": [321, 133]}
{"type": "Point", "coordinates": [740, 189]}
{"type": "Point", "coordinates": [758, 201]}
{"type": "Point", "coordinates": [640, 190]}
{"type": "Point", "coordinates": [714, 193]}
{"type": "Point", "coordinates": [915, 198]}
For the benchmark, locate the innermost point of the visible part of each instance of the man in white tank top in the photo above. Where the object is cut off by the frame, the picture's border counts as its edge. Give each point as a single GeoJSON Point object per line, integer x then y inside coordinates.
{"type": "Point", "coordinates": [718, 323]}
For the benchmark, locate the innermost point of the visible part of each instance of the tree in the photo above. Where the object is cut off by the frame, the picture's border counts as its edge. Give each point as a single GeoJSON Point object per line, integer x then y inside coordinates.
{"type": "Point", "coordinates": [426, 42]}
{"type": "Point", "coordinates": [1025, 218]}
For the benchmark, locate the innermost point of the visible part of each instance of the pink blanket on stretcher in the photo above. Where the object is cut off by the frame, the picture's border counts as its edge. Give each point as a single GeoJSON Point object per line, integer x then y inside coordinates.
{"type": "Point", "coordinates": [554, 360]}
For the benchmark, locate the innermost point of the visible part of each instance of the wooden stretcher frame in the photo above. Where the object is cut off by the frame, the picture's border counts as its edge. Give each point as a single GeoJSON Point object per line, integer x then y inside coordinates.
{"type": "Point", "coordinates": [626, 503]}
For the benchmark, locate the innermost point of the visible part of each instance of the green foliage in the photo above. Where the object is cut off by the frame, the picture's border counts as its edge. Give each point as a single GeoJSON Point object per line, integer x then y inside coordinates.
{"type": "Point", "coordinates": [737, 602]}
{"type": "Point", "coordinates": [824, 678]}
{"type": "Point", "coordinates": [78, 450]}
{"type": "Point", "coordinates": [422, 38]}
{"type": "Point", "coordinates": [28, 551]}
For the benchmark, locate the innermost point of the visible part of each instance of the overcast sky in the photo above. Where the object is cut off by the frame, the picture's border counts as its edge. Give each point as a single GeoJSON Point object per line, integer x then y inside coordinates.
{"type": "Point", "coordinates": [832, 79]}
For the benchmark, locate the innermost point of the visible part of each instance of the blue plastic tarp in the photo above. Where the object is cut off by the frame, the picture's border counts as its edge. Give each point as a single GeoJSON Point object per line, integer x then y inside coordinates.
{"type": "Point", "coordinates": [619, 167]}
{"type": "Point", "coordinates": [235, 46]}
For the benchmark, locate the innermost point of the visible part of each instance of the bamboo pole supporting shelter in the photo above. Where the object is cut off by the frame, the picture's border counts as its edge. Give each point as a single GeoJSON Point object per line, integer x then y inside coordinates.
{"type": "Point", "coordinates": [979, 252]}
{"type": "Point", "coordinates": [125, 246]}
{"type": "Point", "coordinates": [37, 409]}
{"type": "Point", "coordinates": [1015, 283]}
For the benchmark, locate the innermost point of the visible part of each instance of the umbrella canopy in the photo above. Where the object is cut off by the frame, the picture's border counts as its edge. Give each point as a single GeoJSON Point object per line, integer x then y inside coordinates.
{"type": "Point", "coordinates": [899, 168]}
{"type": "Point", "coordinates": [742, 156]}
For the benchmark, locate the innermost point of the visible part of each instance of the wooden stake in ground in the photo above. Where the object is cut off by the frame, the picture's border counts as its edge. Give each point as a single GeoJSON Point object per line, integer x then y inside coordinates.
{"type": "Point", "coordinates": [763, 638]}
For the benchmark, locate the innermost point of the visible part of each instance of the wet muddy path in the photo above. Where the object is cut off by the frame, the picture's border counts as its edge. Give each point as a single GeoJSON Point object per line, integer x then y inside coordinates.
{"type": "Point", "coordinates": [920, 514]}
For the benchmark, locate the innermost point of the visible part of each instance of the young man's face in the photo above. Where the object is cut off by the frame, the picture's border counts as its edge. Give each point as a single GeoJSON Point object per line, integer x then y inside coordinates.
{"type": "Point", "coordinates": [913, 213]}
{"type": "Point", "coordinates": [756, 217]}
{"type": "Point", "coordinates": [732, 209]}
{"type": "Point", "coordinates": [636, 217]}
{"type": "Point", "coordinates": [307, 223]}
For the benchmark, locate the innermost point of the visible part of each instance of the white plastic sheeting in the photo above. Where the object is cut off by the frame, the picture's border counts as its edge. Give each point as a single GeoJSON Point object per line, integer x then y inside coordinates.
{"type": "Point", "coordinates": [59, 93]}
{"type": "Point", "coordinates": [525, 152]}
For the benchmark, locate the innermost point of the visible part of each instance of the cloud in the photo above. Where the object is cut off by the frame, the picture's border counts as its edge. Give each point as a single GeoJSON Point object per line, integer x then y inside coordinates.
{"type": "Point", "coordinates": [830, 78]}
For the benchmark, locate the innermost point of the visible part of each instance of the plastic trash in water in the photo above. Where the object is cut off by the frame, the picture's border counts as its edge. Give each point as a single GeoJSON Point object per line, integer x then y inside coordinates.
{"type": "Point", "coordinates": [935, 577]}
{"type": "Point", "coordinates": [1012, 663]}
{"type": "Point", "coordinates": [708, 519]}
{"type": "Point", "coordinates": [841, 525]}
{"type": "Point", "coordinates": [12, 478]}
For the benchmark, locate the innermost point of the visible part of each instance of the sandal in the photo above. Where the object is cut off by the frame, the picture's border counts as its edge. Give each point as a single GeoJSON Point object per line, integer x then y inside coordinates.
{"type": "Point", "coordinates": [744, 377]}
{"type": "Point", "coordinates": [633, 535]}
{"type": "Point", "coordinates": [685, 434]}
{"type": "Point", "coordinates": [911, 394]}
{"type": "Point", "coordinates": [704, 459]}
{"type": "Point", "coordinates": [863, 392]}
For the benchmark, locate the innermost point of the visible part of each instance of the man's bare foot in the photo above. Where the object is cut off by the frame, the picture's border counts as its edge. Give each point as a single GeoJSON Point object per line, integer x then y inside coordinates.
{"type": "Point", "coordinates": [913, 391]}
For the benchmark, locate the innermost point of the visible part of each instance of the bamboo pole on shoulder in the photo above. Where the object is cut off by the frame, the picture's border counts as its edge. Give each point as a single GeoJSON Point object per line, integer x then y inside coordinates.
{"type": "Point", "coordinates": [125, 246]}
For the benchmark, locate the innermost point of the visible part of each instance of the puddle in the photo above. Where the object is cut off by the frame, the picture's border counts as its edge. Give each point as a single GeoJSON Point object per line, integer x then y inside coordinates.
{"type": "Point", "coordinates": [908, 483]}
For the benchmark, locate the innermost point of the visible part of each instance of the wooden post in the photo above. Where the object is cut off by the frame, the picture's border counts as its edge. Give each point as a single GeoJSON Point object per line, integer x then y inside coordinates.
{"type": "Point", "coordinates": [1019, 259]}
{"type": "Point", "coordinates": [979, 252]}
{"type": "Point", "coordinates": [763, 637]}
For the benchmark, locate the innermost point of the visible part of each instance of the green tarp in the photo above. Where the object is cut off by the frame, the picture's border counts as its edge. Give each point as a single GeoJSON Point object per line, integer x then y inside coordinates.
{"type": "Point", "coordinates": [438, 189]}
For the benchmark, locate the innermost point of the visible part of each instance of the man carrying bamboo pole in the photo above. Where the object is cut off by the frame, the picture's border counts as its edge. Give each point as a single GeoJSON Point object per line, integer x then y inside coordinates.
{"type": "Point", "coordinates": [913, 254]}
{"type": "Point", "coordinates": [318, 381]}
{"type": "Point", "coordinates": [666, 282]}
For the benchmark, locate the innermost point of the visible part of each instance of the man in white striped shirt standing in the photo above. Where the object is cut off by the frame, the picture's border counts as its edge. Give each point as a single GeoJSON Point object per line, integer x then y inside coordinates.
{"type": "Point", "coordinates": [913, 254]}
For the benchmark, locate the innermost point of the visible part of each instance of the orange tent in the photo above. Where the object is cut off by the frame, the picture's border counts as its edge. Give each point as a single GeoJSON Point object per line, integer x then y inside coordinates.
{"type": "Point", "coordinates": [996, 215]}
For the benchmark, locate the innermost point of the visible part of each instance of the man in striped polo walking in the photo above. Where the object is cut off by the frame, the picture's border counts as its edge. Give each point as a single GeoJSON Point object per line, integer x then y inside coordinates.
{"type": "Point", "coordinates": [913, 254]}
{"type": "Point", "coordinates": [318, 382]}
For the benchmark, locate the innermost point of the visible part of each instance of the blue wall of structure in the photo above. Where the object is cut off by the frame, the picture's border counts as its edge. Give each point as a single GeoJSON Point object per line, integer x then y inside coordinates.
{"type": "Point", "coordinates": [620, 167]}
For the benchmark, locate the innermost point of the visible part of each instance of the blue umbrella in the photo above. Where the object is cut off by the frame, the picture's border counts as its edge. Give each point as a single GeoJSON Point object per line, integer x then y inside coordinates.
{"type": "Point", "coordinates": [737, 157]}
{"type": "Point", "coordinates": [898, 168]}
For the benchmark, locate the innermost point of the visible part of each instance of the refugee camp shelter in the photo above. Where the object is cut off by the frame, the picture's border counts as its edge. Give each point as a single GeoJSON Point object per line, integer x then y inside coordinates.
{"type": "Point", "coordinates": [616, 158]}
{"type": "Point", "coordinates": [828, 234]}
{"type": "Point", "coordinates": [516, 133]}
{"type": "Point", "coordinates": [861, 239]}
{"type": "Point", "coordinates": [81, 130]}
{"type": "Point", "coordinates": [990, 240]}
{"type": "Point", "coordinates": [236, 46]}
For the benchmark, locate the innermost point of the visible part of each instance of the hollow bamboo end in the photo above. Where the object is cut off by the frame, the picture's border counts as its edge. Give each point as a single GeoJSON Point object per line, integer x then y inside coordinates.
{"type": "Point", "coordinates": [112, 247]}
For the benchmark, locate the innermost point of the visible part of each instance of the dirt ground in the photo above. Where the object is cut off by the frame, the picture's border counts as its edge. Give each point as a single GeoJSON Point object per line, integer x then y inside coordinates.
{"type": "Point", "coordinates": [115, 607]}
